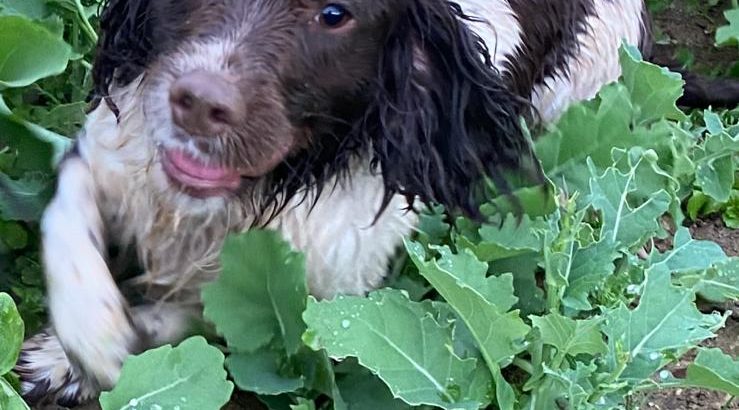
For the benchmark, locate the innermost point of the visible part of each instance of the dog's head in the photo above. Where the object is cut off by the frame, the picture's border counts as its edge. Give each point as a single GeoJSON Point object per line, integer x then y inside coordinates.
{"type": "Point", "coordinates": [285, 93]}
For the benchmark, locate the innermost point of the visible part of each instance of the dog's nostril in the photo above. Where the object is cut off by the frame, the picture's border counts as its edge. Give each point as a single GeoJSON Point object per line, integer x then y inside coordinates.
{"type": "Point", "coordinates": [219, 114]}
{"type": "Point", "coordinates": [205, 103]}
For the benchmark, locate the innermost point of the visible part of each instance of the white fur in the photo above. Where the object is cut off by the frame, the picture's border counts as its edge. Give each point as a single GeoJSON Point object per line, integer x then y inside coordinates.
{"type": "Point", "coordinates": [597, 62]}
{"type": "Point", "coordinates": [500, 29]}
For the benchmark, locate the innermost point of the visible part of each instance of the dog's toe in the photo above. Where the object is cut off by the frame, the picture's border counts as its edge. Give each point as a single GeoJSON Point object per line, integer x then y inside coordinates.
{"type": "Point", "coordinates": [48, 376]}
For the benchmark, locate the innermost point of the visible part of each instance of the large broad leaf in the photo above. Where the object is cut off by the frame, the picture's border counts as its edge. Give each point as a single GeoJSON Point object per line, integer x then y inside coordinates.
{"type": "Point", "coordinates": [513, 237]}
{"type": "Point", "coordinates": [37, 148]}
{"type": "Point", "coordinates": [26, 198]}
{"type": "Point", "coordinates": [718, 284]}
{"type": "Point", "coordinates": [260, 294]}
{"type": "Point", "coordinates": [689, 254]}
{"type": "Point", "coordinates": [729, 34]}
{"type": "Point", "coordinates": [11, 333]}
{"type": "Point", "coordinates": [483, 303]}
{"type": "Point", "coordinates": [399, 341]}
{"type": "Point", "coordinates": [190, 376]}
{"type": "Point", "coordinates": [625, 223]}
{"type": "Point", "coordinates": [259, 372]}
{"type": "Point", "coordinates": [587, 270]}
{"type": "Point", "coordinates": [701, 265]}
{"type": "Point", "coordinates": [712, 369]}
{"type": "Point", "coordinates": [665, 320]}
{"type": "Point", "coordinates": [715, 166]}
{"type": "Point", "coordinates": [362, 390]}
{"type": "Point", "coordinates": [29, 52]}
{"type": "Point", "coordinates": [569, 388]}
{"type": "Point", "coordinates": [571, 337]}
{"type": "Point", "coordinates": [654, 89]}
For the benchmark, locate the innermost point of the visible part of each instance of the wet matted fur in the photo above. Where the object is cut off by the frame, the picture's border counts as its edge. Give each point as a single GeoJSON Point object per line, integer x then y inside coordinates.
{"type": "Point", "coordinates": [339, 115]}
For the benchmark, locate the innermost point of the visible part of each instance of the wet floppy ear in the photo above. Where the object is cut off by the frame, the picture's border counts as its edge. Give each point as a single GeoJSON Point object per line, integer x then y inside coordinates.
{"type": "Point", "coordinates": [443, 119]}
{"type": "Point", "coordinates": [125, 45]}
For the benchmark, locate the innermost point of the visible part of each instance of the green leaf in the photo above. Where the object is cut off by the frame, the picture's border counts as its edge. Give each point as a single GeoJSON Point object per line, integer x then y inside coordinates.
{"type": "Point", "coordinates": [654, 89]}
{"type": "Point", "coordinates": [259, 372]}
{"type": "Point", "coordinates": [569, 388]}
{"type": "Point", "coordinates": [524, 270]}
{"type": "Point", "coordinates": [571, 337]}
{"type": "Point", "coordinates": [688, 254]}
{"type": "Point", "coordinates": [260, 293]}
{"type": "Point", "coordinates": [29, 52]}
{"type": "Point", "coordinates": [400, 342]}
{"type": "Point", "coordinates": [665, 319]}
{"type": "Point", "coordinates": [37, 148]}
{"type": "Point", "coordinates": [13, 235]}
{"type": "Point", "coordinates": [189, 376]}
{"type": "Point", "coordinates": [34, 9]}
{"type": "Point", "coordinates": [714, 126]}
{"type": "Point", "coordinates": [625, 223]}
{"type": "Point", "coordinates": [712, 369]}
{"type": "Point", "coordinates": [9, 398]}
{"type": "Point", "coordinates": [482, 303]}
{"type": "Point", "coordinates": [510, 238]}
{"type": "Point", "coordinates": [715, 167]}
{"type": "Point", "coordinates": [11, 333]}
{"type": "Point", "coordinates": [588, 130]}
{"type": "Point", "coordinates": [729, 34]}
{"type": "Point", "coordinates": [24, 199]}
{"type": "Point", "coordinates": [364, 391]}
{"type": "Point", "coordinates": [717, 284]}
{"type": "Point", "coordinates": [588, 269]}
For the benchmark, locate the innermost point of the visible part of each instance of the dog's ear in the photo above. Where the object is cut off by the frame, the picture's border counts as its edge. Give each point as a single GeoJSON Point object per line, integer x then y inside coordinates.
{"type": "Point", "coordinates": [125, 44]}
{"type": "Point", "coordinates": [442, 120]}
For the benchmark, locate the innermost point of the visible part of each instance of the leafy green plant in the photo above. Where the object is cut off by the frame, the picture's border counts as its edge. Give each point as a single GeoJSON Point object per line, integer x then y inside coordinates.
{"type": "Point", "coordinates": [39, 39]}
{"type": "Point", "coordinates": [11, 339]}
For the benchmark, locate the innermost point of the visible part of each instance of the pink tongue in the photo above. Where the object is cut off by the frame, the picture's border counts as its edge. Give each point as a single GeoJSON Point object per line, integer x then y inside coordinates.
{"type": "Point", "coordinates": [198, 173]}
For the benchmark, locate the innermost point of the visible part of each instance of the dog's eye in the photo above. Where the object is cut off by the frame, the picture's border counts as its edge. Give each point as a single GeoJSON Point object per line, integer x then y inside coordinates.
{"type": "Point", "coordinates": [334, 16]}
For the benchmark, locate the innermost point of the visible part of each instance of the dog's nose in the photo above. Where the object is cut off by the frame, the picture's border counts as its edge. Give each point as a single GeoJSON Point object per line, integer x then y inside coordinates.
{"type": "Point", "coordinates": [204, 104]}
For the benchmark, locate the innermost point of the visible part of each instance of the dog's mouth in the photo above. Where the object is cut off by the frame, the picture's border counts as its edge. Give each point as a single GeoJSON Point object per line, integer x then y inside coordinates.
{"type": "Point", "coordinates": [197, 178]}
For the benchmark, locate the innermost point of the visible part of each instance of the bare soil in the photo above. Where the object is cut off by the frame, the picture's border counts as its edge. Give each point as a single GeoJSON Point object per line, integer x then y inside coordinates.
{"type": "Point", "coordinates": [685, 30]}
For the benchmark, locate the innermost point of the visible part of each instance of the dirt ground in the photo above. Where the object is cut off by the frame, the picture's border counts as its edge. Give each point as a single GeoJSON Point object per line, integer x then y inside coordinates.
{"type": "Point", "coordinates": [684, 31]}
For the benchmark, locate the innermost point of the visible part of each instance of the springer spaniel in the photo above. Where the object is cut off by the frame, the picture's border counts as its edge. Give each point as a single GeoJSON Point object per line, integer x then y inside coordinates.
{"type": "Point", "coordinates": [321, 119]}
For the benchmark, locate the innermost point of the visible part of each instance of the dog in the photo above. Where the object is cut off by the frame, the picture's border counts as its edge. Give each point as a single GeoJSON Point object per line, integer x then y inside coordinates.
{"type": "Point", "coordinates": [326, 121]}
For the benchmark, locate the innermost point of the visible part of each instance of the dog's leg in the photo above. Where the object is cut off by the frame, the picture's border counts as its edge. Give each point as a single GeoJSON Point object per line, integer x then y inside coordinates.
{"type": "Point", "coordinates": [89, 315]}
{"type": "Point", "coordinates": [50, 377]}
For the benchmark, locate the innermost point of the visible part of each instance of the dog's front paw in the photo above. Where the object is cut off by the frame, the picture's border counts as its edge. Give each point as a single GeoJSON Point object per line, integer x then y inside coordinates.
{"type": "Point", "coordinates": [49, 377]}
{"type": "Point", "coordinates": [97, 334]}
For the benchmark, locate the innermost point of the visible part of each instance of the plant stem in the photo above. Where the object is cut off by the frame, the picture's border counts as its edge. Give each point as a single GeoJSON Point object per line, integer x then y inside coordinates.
{"type": "Point", "coordinates": [523, 365]}
{"type": "Point", "coordinates": [86, 26]}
